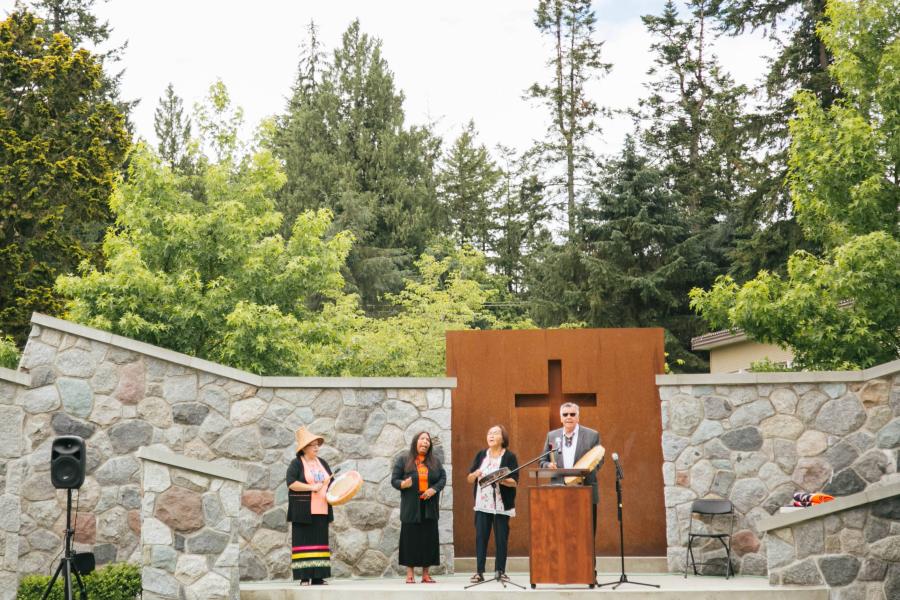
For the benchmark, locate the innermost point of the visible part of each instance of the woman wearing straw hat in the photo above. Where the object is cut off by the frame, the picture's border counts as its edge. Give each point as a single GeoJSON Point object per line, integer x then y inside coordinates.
{"type": "Point", "coordinates": [308, 478]}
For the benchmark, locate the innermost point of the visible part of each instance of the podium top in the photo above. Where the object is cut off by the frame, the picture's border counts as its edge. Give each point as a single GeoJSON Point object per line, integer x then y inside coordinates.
{"type": "Point", "coordinates": [549, 473]}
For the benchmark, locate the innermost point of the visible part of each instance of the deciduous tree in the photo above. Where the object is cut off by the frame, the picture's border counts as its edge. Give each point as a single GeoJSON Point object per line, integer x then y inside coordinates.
{"type": "Point", "coordinates": [838, 309]}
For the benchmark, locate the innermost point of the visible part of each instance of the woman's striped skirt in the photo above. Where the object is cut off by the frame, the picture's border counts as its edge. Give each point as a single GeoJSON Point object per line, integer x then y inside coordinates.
{"type": "Point", "coordinates": [310, 554]}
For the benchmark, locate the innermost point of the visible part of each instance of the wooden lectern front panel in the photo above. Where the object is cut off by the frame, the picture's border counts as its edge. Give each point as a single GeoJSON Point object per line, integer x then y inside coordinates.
{"type": "Point", "coordinates": [562, 544]}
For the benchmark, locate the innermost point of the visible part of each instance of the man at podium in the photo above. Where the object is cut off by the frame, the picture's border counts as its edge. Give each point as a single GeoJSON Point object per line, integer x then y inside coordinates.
{"type": "Point", "coordinates": [570, 443]}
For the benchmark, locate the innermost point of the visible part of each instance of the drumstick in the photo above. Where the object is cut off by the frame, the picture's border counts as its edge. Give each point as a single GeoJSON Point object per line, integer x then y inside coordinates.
{"type": "Point", "coordinates": [335, 472]}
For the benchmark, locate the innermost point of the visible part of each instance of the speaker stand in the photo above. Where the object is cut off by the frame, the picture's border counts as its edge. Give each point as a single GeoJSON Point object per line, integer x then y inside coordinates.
{"type": "Point", "coordinates": [66, 566]}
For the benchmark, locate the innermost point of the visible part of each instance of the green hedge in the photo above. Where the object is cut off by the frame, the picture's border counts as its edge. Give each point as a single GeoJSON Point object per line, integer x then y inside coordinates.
{"type": "Point", "coordinates": [113, 582]}
{"type": "Point", "coordinates": [9, 353]}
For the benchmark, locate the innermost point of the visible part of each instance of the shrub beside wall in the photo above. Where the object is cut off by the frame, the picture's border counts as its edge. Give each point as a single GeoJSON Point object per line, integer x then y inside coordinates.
{"type": "Point", "coordinates": [112, 582]}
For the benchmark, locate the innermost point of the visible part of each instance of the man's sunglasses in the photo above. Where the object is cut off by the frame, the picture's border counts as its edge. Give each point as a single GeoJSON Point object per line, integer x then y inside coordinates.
{"type": "Point", "coordinates": [570, 414]}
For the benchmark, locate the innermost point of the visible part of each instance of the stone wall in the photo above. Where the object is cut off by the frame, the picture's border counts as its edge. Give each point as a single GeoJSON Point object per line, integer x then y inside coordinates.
{"type": "Point", "coordinates": [11, 443]}
{"type": "Point", "coordinates": [855, 551]}
{"type": "Point", "coordinates": [758, 438]}
{"type": "Point", "coordinates": [122, 395]}
{"type": "Point", "coordinates": [189, 533]}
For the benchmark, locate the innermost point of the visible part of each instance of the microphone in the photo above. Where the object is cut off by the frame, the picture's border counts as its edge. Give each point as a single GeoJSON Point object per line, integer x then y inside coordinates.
{"type": "Point", "coordinates": [619, 474]}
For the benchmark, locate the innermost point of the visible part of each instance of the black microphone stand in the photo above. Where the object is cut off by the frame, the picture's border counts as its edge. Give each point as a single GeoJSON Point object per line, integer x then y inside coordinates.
{"type": "Point", "coordinates": [623, 578]}
{"type": "Point", "coordinates": [494, 480]}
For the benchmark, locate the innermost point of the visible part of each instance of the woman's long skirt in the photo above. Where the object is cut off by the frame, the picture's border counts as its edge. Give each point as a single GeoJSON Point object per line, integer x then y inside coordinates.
{"type": "Point", "coordinates": [310, 554]}
{"type": "Point", "coordinates": [419, 543]}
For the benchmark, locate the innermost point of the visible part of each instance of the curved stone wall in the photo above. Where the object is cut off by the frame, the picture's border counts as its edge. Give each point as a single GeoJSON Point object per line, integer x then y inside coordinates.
{"type": "Point", "coordinates": [121, 395]}
{"type": "Point", "coordinates": [758, 438]}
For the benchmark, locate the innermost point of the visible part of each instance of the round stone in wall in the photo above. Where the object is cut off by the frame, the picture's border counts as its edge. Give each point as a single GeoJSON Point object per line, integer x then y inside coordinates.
{"type": "Point", "coordinates": [839, 570]}
{"type": "Point", "coordinates": [685, 413]}
{"type": "Point", "coordinates": [845, 483]}
{"type": "Point", "coordinates": [782, 426]}
{"type": "Point", "coordinates": [63, 424]}
{"type": "Point", "coordinates": [841, 416]}
{"type": "Point", "coordinates": [784, 400]}
{"type": "Point", "coordinates": [129, 436]}
{"type": "Point", "coordinates": [812, 443]}
{"type": "Point", "coordinates": [745, 439]}
{"type": "Point", "coordinates": [889, 436]}
{"type": "Point", "coordinates": [811, 474]}
{"type": "Point", "coordinates": [748, 493]}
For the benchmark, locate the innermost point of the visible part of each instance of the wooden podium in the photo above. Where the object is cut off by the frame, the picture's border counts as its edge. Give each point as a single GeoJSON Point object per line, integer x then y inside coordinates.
{"type": "Point", "coordinates": [562, 533]}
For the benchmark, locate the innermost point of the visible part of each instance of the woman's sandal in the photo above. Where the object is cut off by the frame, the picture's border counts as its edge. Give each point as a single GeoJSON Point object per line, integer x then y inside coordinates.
{"type": "Point", "coordinates": [429, 580]}
{"type": "Point", "coordinates": [476, 578]}
{"type": "Point", "coordinates": [411, 579]}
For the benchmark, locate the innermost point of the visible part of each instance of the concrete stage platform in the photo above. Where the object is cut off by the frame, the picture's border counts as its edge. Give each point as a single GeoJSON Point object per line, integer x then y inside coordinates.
{"type": "Point", "coordinates": [451, 587]}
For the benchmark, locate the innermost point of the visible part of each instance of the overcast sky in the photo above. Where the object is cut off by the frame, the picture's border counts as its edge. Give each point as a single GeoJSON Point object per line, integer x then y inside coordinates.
{"type": "Point", "coordinates": [454, 61]}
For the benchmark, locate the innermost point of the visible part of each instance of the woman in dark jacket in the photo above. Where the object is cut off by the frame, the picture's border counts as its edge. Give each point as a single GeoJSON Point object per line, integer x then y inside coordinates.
{"type": "Point", "coordinates": [494, 504]}
{"type": "Point", "coordinates": [420, 477]}
{"type": "Point", "coordinates": [308, 478]}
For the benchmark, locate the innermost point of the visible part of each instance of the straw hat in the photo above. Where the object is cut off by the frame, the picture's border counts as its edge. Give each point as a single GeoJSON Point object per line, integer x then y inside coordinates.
{"type": "Point", "coordinates": [304, 438]}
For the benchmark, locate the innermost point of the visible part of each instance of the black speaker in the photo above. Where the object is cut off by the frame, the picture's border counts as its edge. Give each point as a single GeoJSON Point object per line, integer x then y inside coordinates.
{"type": "Point", "coordinates": [68, 460]}
{"type": "Point", "coordinates": [84, 562]}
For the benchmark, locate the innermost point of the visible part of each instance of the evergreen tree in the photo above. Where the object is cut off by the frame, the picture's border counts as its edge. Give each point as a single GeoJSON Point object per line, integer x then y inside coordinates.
{"type": "Point", "coordinates": [300, 138]}
{"type": "Point", "coordinates": [468, 188]}
{"type": "Point", "coordinates": [520, 219]}
{"type": "Point", "coordinates": [575, 62]}
{"type": "Point", "coordinates": [346, 147]}
{"type": "Point", "coordinates": [75, 19]}
{"type": "Point", "coordinates": [693, 130]}
{"type": "Point", "coordinates": [173, 131]}
{"type": "Point", "coordinates": [692, 116]}
{"type": "Point", "coordinates": [62, 142]}
{"type": "Point", "coordinates": [635, 231]}
{"type": "Point", "coordinates": [769, 231]}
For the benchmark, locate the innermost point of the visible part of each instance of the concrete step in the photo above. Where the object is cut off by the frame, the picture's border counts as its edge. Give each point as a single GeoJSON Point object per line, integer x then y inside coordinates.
{"type": "Point", "coordinates": [452, 587]}
{"type": "Point", "coordinates": [605, 564]}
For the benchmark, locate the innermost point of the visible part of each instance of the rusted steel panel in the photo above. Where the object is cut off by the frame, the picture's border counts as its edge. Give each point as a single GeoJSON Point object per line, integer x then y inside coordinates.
{"type": "Point", "coordinates": [610, 373]}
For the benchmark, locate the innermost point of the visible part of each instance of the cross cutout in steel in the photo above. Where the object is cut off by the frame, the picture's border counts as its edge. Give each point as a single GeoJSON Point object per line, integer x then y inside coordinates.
{"type": "Point", "coordinates": [555, 398]}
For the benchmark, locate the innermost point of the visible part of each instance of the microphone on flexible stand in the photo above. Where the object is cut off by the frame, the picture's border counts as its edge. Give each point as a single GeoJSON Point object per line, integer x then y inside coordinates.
{"type": "Point", "coordinates": [619, 474]}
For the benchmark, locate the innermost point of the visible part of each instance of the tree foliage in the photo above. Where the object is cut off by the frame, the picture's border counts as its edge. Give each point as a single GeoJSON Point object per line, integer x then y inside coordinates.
{"type": "Point", "coordinates": [197, 263]}
{"type": "Point", "coordinates": [62, 142]}
{"type": "Point", "coordinates": [451, 292]}
{"type": "Point", "coordinates": [211, 278]}
{"type": "Point", "coordinates": [75, 19]}
{"type": "Point", "coordinates": [839, 309]}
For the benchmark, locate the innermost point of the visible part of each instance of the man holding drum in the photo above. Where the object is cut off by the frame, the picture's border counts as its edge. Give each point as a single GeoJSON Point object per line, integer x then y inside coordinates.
{"type": "Point", "coordinates": [572, 442]}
